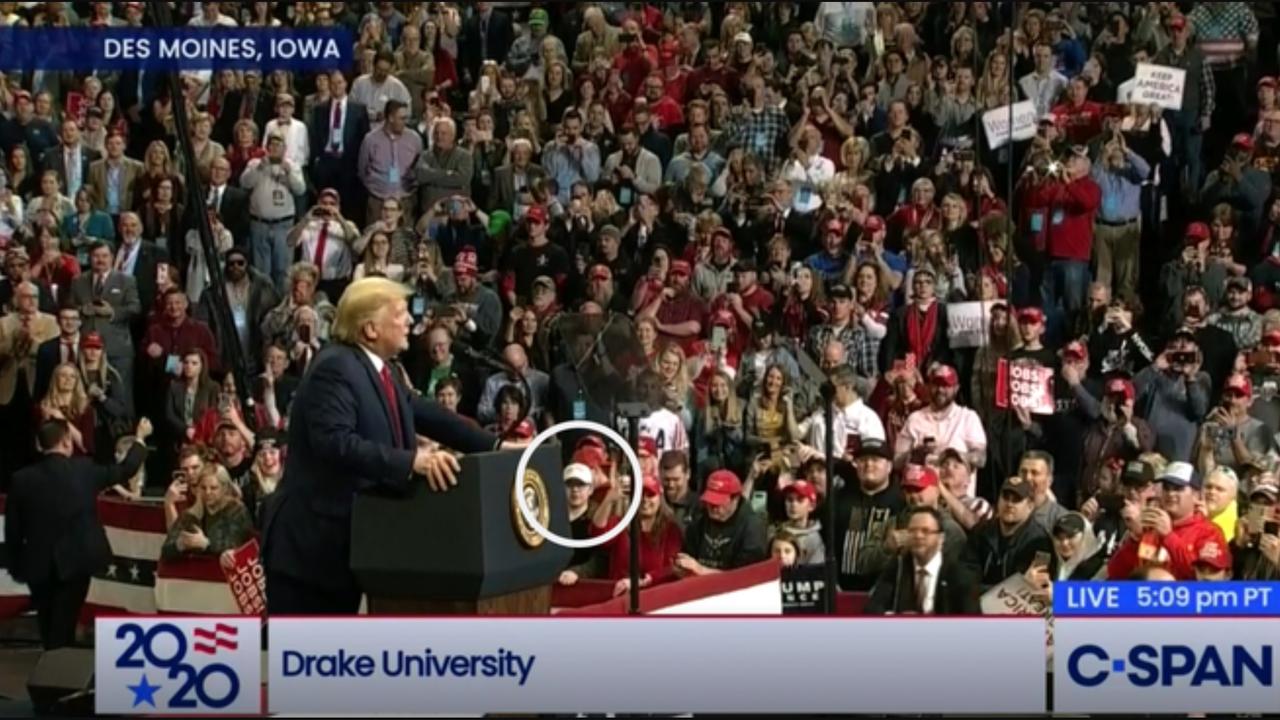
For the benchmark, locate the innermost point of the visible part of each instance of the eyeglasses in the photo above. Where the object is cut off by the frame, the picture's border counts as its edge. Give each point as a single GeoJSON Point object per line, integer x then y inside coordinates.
{"type": "Point", "coordinates": [236, 263]}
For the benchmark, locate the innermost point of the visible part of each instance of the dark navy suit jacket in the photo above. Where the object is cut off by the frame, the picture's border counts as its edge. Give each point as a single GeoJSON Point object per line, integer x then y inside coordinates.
{"type": "Point", "coordinates": [341, 441]}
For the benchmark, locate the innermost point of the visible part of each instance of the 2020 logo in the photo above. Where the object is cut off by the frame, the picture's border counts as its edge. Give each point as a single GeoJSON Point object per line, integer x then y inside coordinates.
{"type": "Point", "coordinates": [179, 666]}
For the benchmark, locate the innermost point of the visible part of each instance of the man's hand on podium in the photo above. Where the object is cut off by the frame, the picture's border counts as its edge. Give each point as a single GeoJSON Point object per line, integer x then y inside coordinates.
{"type": "Point", "coordinates": [438, 466]}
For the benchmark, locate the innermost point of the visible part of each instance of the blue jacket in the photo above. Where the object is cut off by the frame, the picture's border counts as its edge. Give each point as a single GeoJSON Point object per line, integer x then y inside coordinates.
{"type": "Point", "coordinates": [341, 441]}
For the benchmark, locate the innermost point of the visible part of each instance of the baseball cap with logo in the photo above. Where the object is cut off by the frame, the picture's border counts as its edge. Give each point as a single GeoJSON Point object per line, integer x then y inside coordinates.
{"type": "Point", "coordinates": [944, 375]}
{"type": "Point", "coordinates": [1181, 474]}
{"type": "Point", "coordinates": [873, 224]}
{"type": "Point", "coordinates": [593, 457]}
{"type": "Point", "coordinates": [1242, 141]}
{"type": "Point", "coordinates": [539, 18]}
{"type": "Point", "coordinates": [919, 477]}
{"type": "Point", "coordinates": [803, 488]}
{"type": "Point", "coordinates": [1178, 22]}
{"type": "Point", "coordinates": [875, 448]}
{"type": "Point", "coordinates": [1238, 384]}
{"type": "Point", "coordinates": [651, 486]}
{"type": "Point", "coordinates": [91, 340]}
{"type": "Point", "coordinates": [1017, 487]}
{"type": "Point", "coordinates": [1271, 338]}
{"type": "Point", "coordinates": [600, 271]}
{"type": "Point", "coordinates": [1138, 472]}
{"type": "Point", "coordinates": [1197, 232]}
{"type": "Point", "coordinates": [1121, 386]}
{"type": "Point", "coordinates": [1075, 350]}
{"type": "Point", "coordinates": [579, 474]}
{"type": "Point", "coordinates": [537, 214]}
{"type": "Point", "coordinates": [466, 262]}
{"type": "Point", "coordinates": [1214, 555]}
{"type": "Point", "coordinates": [1031, 315]}
{"type": "Point", "coordinates": [680, 267]}
{"type": "Point", "coordinates": [722, 487]}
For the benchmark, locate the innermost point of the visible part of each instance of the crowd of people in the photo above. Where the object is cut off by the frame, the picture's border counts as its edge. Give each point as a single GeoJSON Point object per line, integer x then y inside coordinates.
{"type": "Point", "coordinates": [766, 197]}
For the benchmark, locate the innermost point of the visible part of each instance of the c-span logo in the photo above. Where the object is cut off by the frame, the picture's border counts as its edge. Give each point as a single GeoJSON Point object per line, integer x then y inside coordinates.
{"type": "Point", "coordinates": [178, 666]}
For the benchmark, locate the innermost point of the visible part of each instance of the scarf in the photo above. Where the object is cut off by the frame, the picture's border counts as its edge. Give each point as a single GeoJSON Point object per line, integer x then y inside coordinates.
{"type": "Point", "coordinates": [922, 325]}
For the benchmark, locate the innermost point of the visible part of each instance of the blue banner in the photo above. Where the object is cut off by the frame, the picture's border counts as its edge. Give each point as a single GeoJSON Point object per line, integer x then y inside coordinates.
{"type": "Point", "coordinates": [1165, 599]}
{"type": "Point", "coordinates": [175, 49]}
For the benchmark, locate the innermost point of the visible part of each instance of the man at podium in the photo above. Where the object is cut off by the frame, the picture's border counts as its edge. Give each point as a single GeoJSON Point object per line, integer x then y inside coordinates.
{"type": "Point", "coordinates": [353, 430]}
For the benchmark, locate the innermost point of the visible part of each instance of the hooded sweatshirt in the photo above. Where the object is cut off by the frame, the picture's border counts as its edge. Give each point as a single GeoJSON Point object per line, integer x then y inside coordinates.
{"type": "Point", "coordinates": [810, 548]}
{"type": "Point", "coordinates": [1090, 563]}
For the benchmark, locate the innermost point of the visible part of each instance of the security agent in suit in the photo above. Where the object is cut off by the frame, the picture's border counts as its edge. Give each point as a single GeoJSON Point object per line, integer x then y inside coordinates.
{"type": "Point", "coordinates": [923, 581]}
{"type": "Point", "coordinates": [353, 430]}
{"type": "Point", "coordinates": [54, 539]}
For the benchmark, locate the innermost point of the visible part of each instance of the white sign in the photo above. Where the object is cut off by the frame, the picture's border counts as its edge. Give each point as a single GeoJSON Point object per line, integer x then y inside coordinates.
{"type": "Point", "coordinates": [1159, 85]}
{"type": "Point", "coordinates": [967, 323]}
{"type": "Point", "coordinates": [1016, 596]}
{"type": "Point", "coordinates": [996, 123]}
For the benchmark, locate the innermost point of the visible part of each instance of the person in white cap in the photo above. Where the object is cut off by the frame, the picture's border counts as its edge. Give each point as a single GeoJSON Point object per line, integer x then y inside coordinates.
{"type": "Point", "coordinates": [578, 483]}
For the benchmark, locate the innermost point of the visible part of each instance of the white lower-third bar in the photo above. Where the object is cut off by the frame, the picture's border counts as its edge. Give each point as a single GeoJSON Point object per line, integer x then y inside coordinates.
{"type": "Point", "coordinates": [655, 665]}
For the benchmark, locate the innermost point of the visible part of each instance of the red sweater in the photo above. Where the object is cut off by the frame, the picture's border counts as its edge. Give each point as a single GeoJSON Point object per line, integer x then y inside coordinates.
{"type": "Point", "coordinates": [190, 335]}
{"type": "Point", "coordinates": [657, 560]}
{"type": "Point", "coordinates": [1060, 217]}
{"type": "Point", "coordinates": [1183, 546]}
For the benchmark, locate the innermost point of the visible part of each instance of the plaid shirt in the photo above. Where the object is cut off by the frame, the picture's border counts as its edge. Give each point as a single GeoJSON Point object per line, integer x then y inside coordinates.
{"type": "Point", "coordinates": [859, 348]}
{"type": "Point", "coordinates": [1224, 31]}
{"type": "Point", "coordinates": [764, 134]}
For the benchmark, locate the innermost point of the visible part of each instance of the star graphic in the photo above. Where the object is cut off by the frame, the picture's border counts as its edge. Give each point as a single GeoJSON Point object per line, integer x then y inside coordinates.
{"type": "Point", "coordinates": [144, 692]}
{"type": "Point", "coordinates": [542, 260]}
{"type": "Point", "coordinates": [133, 572]}
{"type": "Point", "coordinates": [111, 570]}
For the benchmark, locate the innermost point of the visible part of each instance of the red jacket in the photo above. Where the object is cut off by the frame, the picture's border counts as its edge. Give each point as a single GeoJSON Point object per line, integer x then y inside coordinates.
{"type": "Point", "coordinates": [1060, 217]}
{"type": "Point", "coordinates": [1183, 546]}
{"type": "Point", "coordinates": [657, 559]}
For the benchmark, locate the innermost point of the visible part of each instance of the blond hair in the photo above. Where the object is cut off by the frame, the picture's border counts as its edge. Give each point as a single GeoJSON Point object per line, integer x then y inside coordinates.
{"type": "Point", "coordinates": [361, 303]}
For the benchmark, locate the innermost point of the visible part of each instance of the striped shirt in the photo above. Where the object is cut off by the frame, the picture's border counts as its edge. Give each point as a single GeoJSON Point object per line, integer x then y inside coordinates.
{"type": "Point", "coordinates": [1225, 31]}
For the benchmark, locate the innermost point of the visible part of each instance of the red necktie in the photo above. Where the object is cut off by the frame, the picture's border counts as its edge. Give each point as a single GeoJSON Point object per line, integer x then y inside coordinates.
{"type": "Point", "coordinates": [337, 115]}
{"type": "Point", "coordinates": [390, 389]}
{"type": "Point", "coordinates": [68, 352]}
{"type": "Point", "coordinates": [320, 243]}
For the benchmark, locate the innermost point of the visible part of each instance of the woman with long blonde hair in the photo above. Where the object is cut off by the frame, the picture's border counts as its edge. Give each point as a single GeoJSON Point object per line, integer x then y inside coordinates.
{"type": "Point", "coordinates": [157, 165]}
{"type": "Point", "coordinates": [720, 426]}
{"type": "Point", "coordinates": [673, 368]}
{"type": "Point", "coordinates": [993, 88]}
{"type": "Point", "coordinates": [66, 399]}
{"type": "Point", "coordinates": [216, 523]}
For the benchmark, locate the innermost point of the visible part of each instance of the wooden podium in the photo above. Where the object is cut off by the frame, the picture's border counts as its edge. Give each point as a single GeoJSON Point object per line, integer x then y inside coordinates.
{"type": "Point", "coordinates": [467, 551]}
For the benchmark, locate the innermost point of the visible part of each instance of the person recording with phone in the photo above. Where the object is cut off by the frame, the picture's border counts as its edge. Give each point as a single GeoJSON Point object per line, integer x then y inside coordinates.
{"type": "Point", "coordinates": [1229, 436]}
{"type": "Point", "coordinates": [325, 238]}
{"type": "Point", "coordinates": [1217, 345]}
{"type": "Point", "coordinates": [1173, 394]}
{"type": "Point", "coordinates": [1170, 533]}
{"type": "Point", "coordinates": [1257, 542]}
{"type": "Point", "coordinates": [1117, 343]}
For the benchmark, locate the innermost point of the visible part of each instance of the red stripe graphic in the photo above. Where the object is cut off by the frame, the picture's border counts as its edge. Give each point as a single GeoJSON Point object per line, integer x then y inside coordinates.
{"type": "Point", "coordinates": [208, 641]}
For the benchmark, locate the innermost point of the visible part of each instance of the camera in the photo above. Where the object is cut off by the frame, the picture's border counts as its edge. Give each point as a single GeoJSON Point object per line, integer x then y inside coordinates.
{"type": "Point", "coordinates": [626, 38]}
{"type": "Point", "coordinates": [1184, 357]}
{"type": "Point", "coordinates": [731, 286]}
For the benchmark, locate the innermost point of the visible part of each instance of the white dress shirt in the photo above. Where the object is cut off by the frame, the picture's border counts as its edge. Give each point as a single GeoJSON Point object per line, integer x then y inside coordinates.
{"type": "Point", "coordinates": [297, 146]}
{"type": "Point", "coordinates": [931, 571]}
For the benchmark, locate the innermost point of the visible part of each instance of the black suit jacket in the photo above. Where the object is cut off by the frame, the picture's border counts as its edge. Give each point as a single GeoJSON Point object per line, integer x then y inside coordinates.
{"type": "Point", "coordinates": [48, 357]}
{"type": "Point", "coordinates": [150, 256]}
{"type": "Point", "coordinates": [229, 115]}
{"type": "Point", "coordinates": [355, 125]}
{"type": "Point", "coordinates": [342, 441]}
{"type": "Point", "coordinates": [500, 36]}
{"type": "Point", "coordinates": [895, 590]}
{"type": "Point", "coordinates": [51, 527]}
{"type": "Point", "coordinates": [234, 213]}
{"type": "Point", "coordinates": [55, 160]}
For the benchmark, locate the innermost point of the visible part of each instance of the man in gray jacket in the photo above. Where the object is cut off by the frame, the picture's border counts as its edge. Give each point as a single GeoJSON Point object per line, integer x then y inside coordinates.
{"type": "Point", "coordinates": [444, 169]}
{"type": "Point", "coordinates": [632, 166]}
{"type": "Point", "coordinates": [1173, 396]}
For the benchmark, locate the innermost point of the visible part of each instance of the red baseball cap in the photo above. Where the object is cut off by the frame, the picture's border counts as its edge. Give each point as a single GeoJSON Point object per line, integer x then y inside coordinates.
{"type": "Point", "coordinates": [1243, 141]}
{"type": "Point", "coordinates": [647, 447]}
{"type": "Point", "coordinates": [652, 486]}
{"type": "Point", "coordinates": [919, 477]}
{"type": "Point", "coordinates": [1177, 22]}
{"type": "Point", "coordinates": [680, 267]}
{"type": "Point", "coordinates": [1213, 554]}
{"type": "Point", "coordinates": [873, 224]}
{"type": "Point", "coordinates": [722, 487]}
{"type": "Point", "coordinates": [466, 262]}
{"type": "Point", "coordinates": [91, 340]}
{"type": "Point", "coordinates": [536, 213]}
{"type": "Point", "coordinates": [522, 431]}
{"type": "Point", "coordinates": [600, 272]}
{"type": "Point", "coordinates": [1239, 383]}
{"type": "Point", "coordinates": [1272, 338]}
{"type": "Point", "coordinates": [723, 318]}
{"type": "Point", "coordinates": [591, 456]}
{"type": "Point", "coordinates": [1197, 232]}
{"type": "Point", "coordinates": [1076, 349]}
{"type": "Point", "coordinates": [944, 375]}
{"type": "Point", "coordinates": [1121, 386]}
{"type": "Point", "coordinates": [1267, 81]}
{"type": "Point", "coordinates": [834, 226]}
{"type": "Point", "coordinates": [1031, 315]}
{"type": "Point", "coordinates": [803, 488]}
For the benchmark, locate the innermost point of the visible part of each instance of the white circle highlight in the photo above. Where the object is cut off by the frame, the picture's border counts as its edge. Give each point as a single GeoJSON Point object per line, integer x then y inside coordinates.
{"type": "Point", "coordinates": [636, 484]}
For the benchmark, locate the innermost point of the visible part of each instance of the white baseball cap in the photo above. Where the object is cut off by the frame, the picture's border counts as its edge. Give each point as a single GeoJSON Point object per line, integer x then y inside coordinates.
{"type": "Point", "coordinates": [578, 472]}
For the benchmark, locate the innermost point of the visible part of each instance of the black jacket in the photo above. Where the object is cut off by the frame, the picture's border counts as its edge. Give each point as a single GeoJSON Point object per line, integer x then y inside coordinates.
{"type": "Point", "coordinates": [895, 590]}
{"type": "Point", "coordinates": [52, 531]}
{"type": "Point", "coordinates": [993, 558]}
{"type": "Point", "coordinates": [730, 545]}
